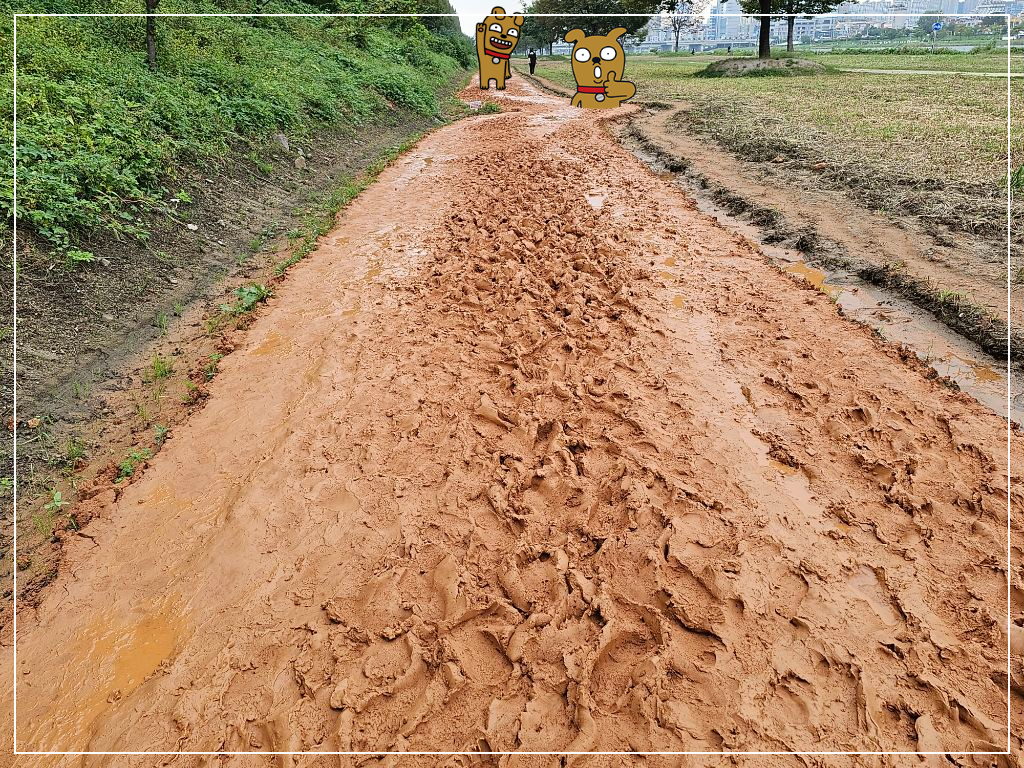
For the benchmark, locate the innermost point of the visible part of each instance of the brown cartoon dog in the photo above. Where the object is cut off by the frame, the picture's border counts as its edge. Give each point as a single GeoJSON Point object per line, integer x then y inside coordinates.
{"type": "Point", "coordinates": [496, 38]}
{"type": "Point", "coordinates": [598, 63]}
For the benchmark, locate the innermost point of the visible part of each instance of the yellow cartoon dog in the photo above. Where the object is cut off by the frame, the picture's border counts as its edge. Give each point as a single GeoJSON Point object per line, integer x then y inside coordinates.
{"type": "Point", "coordinates": [496, 38]}
{"type": "Point", "coordinates": [598, 63]}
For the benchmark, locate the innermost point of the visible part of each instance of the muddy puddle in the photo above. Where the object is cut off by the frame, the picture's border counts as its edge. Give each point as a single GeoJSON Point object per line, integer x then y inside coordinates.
{"type": "Point", "coordinates": [976, 372]}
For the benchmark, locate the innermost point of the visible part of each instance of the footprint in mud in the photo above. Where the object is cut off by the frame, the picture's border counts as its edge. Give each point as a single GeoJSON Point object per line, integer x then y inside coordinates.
{"type": "Point", "coordinates": [596, 198]}
{"type": "Point", "coordinates": [869, 589]}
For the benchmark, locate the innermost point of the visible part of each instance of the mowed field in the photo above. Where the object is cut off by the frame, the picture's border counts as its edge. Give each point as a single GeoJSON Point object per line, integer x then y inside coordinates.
{"type": "Point", "coordinates": [929, 126]}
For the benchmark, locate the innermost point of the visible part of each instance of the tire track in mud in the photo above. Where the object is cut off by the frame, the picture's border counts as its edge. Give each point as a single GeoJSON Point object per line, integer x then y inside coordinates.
{"type": "Point", "coordinates": [531, 455]}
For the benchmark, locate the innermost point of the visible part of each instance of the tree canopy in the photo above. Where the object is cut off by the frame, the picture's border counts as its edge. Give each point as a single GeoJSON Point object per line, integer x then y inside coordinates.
{"type": "Point", "coordinates": [546, 29]}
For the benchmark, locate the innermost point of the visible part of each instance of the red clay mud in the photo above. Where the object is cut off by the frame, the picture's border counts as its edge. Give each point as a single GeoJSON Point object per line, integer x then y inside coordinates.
{"type": "Point", "coordinates": [532, 455]}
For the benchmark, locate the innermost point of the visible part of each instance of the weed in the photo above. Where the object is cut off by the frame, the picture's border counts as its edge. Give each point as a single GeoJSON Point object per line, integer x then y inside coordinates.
{"type": "Point", "coordinates": [131, 462]}
{"type": "Point", "coordinates": [56, 502]}
{"type": "Point", "coordinates": [160, 368]}
{"type": "Point", "coordinates": [489, 108]}
{"type": "Point", "coordinates": [213, 324]}
{"type": "Point", "coordinates": [74, 451]}
{"type": "Point", "coordinates": [211, 367]}
{"type": "Point", "coordinates": [74, 257]}
{"type": "Point", "coordinates": [97, 138]}
{"type": "Point", "coordinates": [6, 486]}
{"type": "Point", "coordinates": [160, 436]}
{"type": "Point", "coordinates": [246, 297]}
{"type": "Point", "coordinates": [1017, 180]}
{"type": "Point", "coordinates": [160, 321]}
{"type": "Point", "coordinates": [43, 522]}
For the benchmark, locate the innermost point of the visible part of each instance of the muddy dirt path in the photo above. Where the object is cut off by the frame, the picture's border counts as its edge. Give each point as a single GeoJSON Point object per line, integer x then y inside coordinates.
{"type": "Point", "coordinates": [533, 455]}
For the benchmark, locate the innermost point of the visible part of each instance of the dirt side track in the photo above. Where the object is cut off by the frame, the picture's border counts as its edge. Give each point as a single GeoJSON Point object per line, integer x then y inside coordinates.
{"type": "Point", "coordinates": [532, 455]}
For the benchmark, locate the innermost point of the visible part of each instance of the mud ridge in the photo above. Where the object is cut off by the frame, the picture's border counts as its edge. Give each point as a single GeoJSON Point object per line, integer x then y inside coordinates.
{"type": "Point", "coordinates": [973, 322]}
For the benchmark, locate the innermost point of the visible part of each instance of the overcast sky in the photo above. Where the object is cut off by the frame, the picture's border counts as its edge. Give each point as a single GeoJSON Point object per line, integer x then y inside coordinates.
{"type": "Point", "coordinates": [472, 12]}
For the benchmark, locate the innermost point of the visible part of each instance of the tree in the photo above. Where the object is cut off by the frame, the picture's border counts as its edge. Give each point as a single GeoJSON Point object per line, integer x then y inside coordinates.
{"type": "Point", "coordinates": [567, 16]}
{"type": "Point", "coordinates": [151, 6]}
{"type": "Point", "coordinates": [542, 31]}
{"type": "Point", "coordinates": [791, 9]}
{"type": "Point", "coordinates": [685, 18]}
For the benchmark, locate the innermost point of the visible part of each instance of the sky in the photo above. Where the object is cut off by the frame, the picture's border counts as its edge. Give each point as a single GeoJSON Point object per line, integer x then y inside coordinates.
{"type": "Point", "coordinates": [472, 12]}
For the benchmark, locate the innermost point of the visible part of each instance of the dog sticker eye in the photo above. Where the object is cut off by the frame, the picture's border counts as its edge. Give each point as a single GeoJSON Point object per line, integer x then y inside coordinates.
{"type": "Point", "coordinates": [513, 33]}
{"type": "Point", "coordinates": [607, 53]}
{"type": "Point", "coordinates": [495, 27]}
{"type": "Point", "coordinates": [582, 54]}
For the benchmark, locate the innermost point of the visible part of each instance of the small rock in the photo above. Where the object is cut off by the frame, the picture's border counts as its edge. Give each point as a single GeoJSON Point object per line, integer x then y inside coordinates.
{"type": "Point", "coordinates": [281, 139]}
{"type": "Point", "coordinates": [300, 162]}
{"type": "Point", "coordinates": [221, 223]}
{"type": "Point", "coordinates": [172, 280]}
{"type": "Point", "coordinates": [34, 422]}
{"type": "Point", "coordinates": [819, 167]}
{"type": "Point", "coordinates": [105, 262]}
{"type": "Point", "coordinates": [778, 159]}
{"type": "Point", "coordinates": [192, 227]}
{"type": "Point", "coordinates": [108, 317]}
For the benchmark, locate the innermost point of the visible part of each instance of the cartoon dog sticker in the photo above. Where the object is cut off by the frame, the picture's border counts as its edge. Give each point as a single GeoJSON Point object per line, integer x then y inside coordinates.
{"type": "Point", "coordinates": [496, 38]}
{"type": "Point", "coordinates": [598, 63]}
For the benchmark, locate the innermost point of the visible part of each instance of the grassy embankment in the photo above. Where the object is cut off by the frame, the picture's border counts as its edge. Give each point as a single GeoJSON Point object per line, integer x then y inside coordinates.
{"type": "Point", "coordinates": [102, 138]}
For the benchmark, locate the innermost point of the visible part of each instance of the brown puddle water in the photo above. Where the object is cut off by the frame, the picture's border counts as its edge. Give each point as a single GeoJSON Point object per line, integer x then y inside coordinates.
{"type": "Point", "coordinates": [117, 656]}
{"type": "Point", "coordinates": [976, 372]}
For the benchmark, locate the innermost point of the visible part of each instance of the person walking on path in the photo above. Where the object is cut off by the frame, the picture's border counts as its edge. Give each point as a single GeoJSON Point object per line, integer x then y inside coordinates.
{"type": "Point", "coordinates": [533, 60]}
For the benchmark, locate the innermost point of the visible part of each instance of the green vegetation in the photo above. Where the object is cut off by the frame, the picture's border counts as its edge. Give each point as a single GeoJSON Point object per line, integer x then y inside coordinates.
{"type": "Point", "coordinates": [131, 462]}
{"type": "Point", "coordinates": [247, 297]}
{"type": "Point", "coordinates": [160, 368]}
{"type": "Point", "coordinates": [211, 367]}
{"type": "Point", "coordinates": [104, 141]}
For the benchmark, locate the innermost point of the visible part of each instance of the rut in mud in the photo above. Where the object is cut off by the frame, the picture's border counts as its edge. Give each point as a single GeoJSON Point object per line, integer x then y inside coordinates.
{"type": "Point", "coordinates": [532, 455]}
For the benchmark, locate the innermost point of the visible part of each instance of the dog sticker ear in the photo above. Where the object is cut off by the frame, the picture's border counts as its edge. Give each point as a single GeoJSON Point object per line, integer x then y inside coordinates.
{"type": "Point", "coordinates": [519, 20]}
{"type": "Point", "coordinates": [499, 11]}
{"type": "Point", "coordinates": [575, 34]}
{"type": "Point", "coordinates": [617, 33]}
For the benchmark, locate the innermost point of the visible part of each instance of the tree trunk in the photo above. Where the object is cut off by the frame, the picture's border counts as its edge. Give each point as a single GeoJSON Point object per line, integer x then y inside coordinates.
{"type": "Point", "coordinates": [677, 41]}
{"type": "Point", "coordinates": [790, 24]}
{"type": "Point", "coordinates": [764, 40]}
{"type": "Point", "coordinates": [151, 33]}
